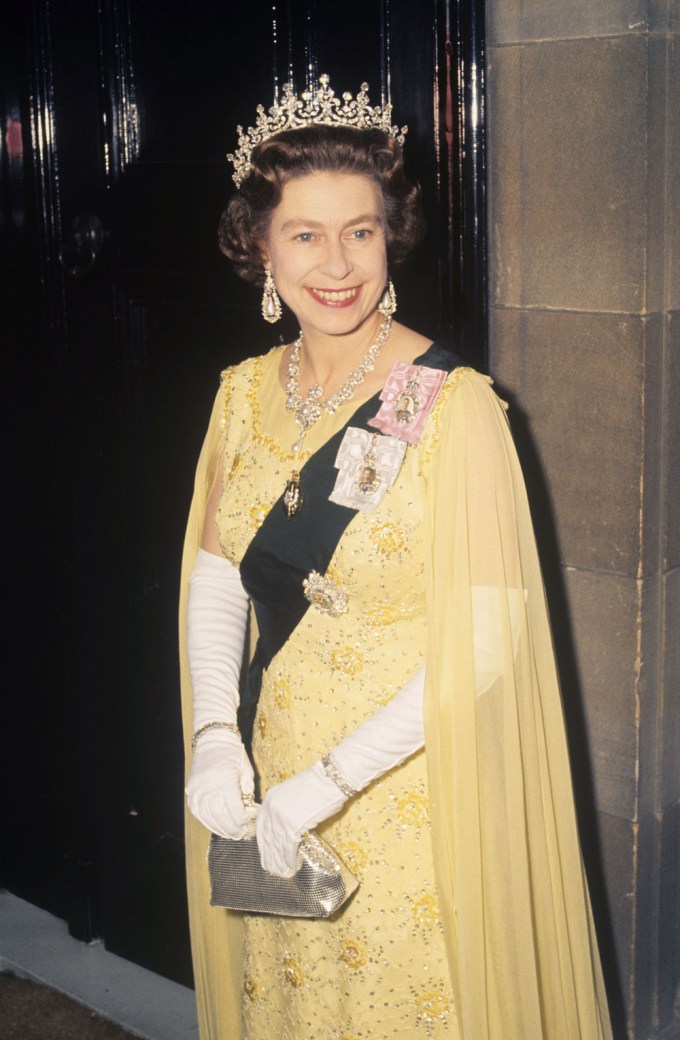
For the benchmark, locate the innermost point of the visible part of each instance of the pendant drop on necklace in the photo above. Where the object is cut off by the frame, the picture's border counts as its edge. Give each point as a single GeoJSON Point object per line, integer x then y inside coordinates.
{"type": "Point", "coordinates": [308, 411]}
{"type": "Point", "coordinates": [292, 496]}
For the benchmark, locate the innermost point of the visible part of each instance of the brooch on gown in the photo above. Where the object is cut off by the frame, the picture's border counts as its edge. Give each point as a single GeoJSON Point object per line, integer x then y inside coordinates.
{"type": "Point", "coordinates": [324, 594]}
{"type": "Point", "coordinates": [367, 466]}
{"type": "Point", "coordinates": [408, 396]}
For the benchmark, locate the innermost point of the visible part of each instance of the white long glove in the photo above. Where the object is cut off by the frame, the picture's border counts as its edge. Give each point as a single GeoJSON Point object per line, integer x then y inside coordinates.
{"type": "Point", "coordinates": [221, 772]}
{"type": "Point", "coordinates": [380, 743]}
{"type": "Point", "coordinates": [297, 805]}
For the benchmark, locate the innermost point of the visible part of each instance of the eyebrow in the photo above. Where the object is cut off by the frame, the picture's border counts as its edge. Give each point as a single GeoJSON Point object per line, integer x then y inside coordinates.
{"type": "Point", "coordinates": [363, 218]}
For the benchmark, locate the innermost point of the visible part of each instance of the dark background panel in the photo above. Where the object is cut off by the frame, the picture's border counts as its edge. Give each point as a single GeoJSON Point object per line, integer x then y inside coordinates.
{"type": "Point", "coordinates": [118, 313]}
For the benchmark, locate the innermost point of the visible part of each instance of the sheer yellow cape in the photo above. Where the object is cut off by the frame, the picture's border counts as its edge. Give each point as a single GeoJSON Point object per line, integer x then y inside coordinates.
{"type": "Point", "coordinates": [510, 881]}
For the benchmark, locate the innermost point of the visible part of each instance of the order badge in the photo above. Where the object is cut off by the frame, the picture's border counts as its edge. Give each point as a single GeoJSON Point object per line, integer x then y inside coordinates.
{"type": "Point", "coordinates": [367, 465]}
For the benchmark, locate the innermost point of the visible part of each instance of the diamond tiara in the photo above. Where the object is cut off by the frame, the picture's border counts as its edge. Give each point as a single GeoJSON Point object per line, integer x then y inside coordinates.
{"type": "Point", "coordinates": [313, 106]}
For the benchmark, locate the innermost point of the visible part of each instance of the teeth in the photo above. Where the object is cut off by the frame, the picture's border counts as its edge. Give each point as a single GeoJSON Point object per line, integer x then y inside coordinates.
{"type": "Point", "coordinates": [335, 297]}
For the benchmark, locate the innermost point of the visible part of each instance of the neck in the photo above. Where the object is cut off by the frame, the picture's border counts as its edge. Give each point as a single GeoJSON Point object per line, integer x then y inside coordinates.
{"type": "Point", "coordinates": [327, 359]}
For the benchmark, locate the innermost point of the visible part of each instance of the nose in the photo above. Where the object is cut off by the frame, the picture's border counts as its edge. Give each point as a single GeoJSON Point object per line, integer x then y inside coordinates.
{"type": "Point", "coordinates": [336, 262]}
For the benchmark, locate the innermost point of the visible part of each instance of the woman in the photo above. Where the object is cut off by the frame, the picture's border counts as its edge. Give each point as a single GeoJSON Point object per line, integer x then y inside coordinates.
{"type": "Point", "coordinates": [362, 491]}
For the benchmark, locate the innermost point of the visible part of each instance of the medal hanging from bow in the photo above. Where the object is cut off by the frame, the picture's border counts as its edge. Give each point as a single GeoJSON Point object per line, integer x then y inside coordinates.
{"type": "Point", "coordinates": [408, 397]}
{"type": "Point", "coordinates": [368, 466]}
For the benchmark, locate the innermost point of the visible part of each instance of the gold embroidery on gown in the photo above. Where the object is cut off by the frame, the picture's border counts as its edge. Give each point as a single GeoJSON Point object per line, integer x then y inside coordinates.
{"type": "Point", "coordinates": [378, 970]}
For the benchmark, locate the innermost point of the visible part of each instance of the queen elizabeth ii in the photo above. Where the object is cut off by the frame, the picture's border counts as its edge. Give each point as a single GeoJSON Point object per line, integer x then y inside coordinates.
{"type": "Point", "coordinates": [402, 683]}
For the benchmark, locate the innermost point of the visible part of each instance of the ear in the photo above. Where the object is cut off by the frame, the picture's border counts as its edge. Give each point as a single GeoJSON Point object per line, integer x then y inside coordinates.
{"type": "Point", "coordinates": [264, 256]}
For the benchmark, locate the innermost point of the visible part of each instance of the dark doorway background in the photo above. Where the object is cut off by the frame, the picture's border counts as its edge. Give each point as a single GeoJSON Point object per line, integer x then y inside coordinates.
{"type": "Point", "coordinates": [118, 314]}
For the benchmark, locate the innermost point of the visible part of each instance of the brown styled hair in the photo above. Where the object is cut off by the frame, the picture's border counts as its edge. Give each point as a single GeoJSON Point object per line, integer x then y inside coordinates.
{"type": "Point", "coordinates": [314, 149]}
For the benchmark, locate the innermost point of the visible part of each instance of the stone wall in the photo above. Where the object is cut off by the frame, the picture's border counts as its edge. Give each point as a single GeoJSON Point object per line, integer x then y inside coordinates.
{"type": "Point", "coordinates": [584, 235]}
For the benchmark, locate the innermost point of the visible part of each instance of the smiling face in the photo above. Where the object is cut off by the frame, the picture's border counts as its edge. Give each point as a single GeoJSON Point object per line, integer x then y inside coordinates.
{"type": "Point", "coordinates": [326, 249]}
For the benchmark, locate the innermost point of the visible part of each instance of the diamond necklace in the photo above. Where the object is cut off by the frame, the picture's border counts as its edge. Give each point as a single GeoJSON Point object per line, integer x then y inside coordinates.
{"type": "Point", "coordinates": [308, 410]}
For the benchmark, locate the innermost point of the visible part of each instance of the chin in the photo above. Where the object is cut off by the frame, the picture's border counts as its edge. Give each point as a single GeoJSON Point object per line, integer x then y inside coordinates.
{"type": "Point", "coordinates": [338, 321]}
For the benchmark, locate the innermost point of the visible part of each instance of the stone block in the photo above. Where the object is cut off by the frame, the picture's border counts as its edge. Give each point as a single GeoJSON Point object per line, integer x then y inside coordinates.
{"type": "Point", "coordinates": [654, 446]}
{"type": "Point", "coordinates": [669, 712]}
{"type": "Point", "coordinates": [673, 163]}
{"type": "Point", "coordinates": [575, 383]}
{"type": "Point", "coordinates": [520, 20]}
{"type": "Point", "coordinates": [662, 15]}
{"type": "Point", "coordinates": [507, 335]}
{"type": "Point", "coordinates": [669, 918]}
{"type": "Point", "coordinates": [568, 192]}
{"type": "Point", "coordinates": [658, 202]}
{"type": "Point", "coordinates": [642, 1011]}
{"type": "Point", "coordinates": [595, 639]}
{"type": "Point", "coordinates": [656, 966]}
{"type": "Point", "coordinates": [616, 930]}
{"type": "Point", "coordinates": [638, 925]}
{"type": "Point", "coordinates": [505, 112]}
{"type": "Point", "coordinates": [672, 436]}
{"type": "Point", "coordinates": [650, 689]}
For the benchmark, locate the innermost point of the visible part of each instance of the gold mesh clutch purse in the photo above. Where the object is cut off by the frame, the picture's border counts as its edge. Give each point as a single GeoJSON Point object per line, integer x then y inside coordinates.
{"type": "Point", "coordinates": [320, 886]}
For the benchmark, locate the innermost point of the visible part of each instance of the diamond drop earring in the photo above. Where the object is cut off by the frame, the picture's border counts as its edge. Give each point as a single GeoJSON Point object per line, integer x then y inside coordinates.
{"type": "Point", "coordinates": [271, 304]}
{"type": "Point", "coordinates": [388, 302]}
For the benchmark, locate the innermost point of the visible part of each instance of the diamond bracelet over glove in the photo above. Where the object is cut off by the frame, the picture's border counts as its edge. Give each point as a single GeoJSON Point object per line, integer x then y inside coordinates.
{"type": "Point", "coordinates": [334, 774]}
{"type": "Point", "coordinates": [231, 726]}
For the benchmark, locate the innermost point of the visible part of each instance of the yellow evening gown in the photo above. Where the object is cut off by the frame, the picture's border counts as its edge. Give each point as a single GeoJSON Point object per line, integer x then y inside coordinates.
{"type": "Point", "coordinates": [472, 920]}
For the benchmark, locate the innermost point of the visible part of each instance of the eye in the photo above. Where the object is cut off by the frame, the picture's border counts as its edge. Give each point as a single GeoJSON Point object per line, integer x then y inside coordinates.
{"type": "Point", "coordinates": [361, 234]}
{"type": "Point", "coordinates": [304, 236]}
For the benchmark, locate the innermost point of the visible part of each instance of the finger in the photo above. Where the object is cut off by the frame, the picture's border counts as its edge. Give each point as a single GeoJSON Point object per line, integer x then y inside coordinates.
{"type": "Point", "coordinates": [274, 862]}
{"type": "Point", "coordinates": [287, 859]}
{"type": "Point", "coordinates": [277, 848]}
{"type": "Point", "coordinates": [282, 873]}
{"type": "Point", "coordinates": [264, 833]}
{"type": "Point", "coordinates": [225, 816]}
{"type": "Point", "coordinates": [262, 830]}
{"type": "Point", "coordinates": [247, 776]}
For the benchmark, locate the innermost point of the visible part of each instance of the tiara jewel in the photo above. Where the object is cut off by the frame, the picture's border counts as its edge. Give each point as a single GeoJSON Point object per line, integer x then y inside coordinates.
{"type": "Point", "coordinates": [313, 106]}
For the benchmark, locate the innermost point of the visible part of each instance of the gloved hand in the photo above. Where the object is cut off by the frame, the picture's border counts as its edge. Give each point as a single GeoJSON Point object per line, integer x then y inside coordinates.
{"type": "Point", "coordinates": [221, 772]}
{"type": "Point", "coordinates": [289, 810]}
{"type": "Point", "coordinates": [310, 797]}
